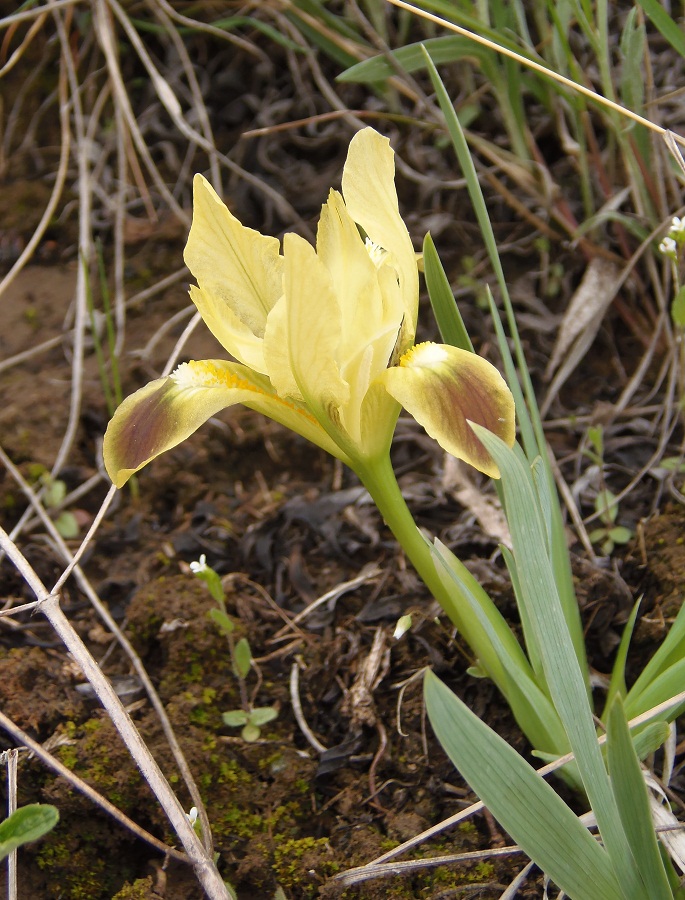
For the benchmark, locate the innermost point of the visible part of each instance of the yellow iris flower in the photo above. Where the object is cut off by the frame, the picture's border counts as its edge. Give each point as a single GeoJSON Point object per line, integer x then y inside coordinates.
{"type": "Point", "coordinates": [323, 338]}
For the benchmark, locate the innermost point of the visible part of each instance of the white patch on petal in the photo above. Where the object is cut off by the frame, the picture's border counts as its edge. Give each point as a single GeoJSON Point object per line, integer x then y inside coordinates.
{"type": "Point", "coordinates": [376, 253]}
{"type": "Point", "coordinates": [195, 374]}
{"type": "Point", "coordinates": [425, 355]}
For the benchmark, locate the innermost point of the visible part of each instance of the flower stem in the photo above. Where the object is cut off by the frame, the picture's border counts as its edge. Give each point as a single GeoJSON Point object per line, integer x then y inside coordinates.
{"type": "Point", "coordinates": [378, 477]}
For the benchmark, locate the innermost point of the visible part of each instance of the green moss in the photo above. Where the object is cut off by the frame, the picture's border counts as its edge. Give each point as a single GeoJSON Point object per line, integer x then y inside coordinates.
{"type": "Point", "coordinates": [483, 871]}
{"type": "Point", "coordinates": [74, 874]}
{"type": "Point", "coordinates": [238, 823]}
{"type": "Point", "coordinates": [97, 756]}
{"type": "Point", "coordinates": [231, 772]}
{"type": "Point", "coordinates": [303, 864]}
{"type": "Point", "coordinates": [141, 889]}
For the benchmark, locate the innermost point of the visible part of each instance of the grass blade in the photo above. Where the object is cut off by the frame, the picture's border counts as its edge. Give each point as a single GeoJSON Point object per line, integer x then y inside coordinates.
{"type": "Point", "coordinates": [562, 671]}
{"type": "Point", "coordinates": [445, 309]}
{"type": "Point", "coordinates": [665, 24]}
{"type": "Point", "coordinates": [524, 804]}
{"type": "Point", "coordinates": [630, 792]}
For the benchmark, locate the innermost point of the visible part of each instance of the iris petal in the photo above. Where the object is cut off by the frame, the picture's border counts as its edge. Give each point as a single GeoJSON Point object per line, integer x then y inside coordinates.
{"type": "Point", "coordinates": [239, 271]}
{"type": "Point", "coordinates": [314, 326]}
{"type": "Point", "coordinates": [168, 410]}
{"type": "Point", "coordinates": [444, 389]}
{"type": "Point", "coordinates": [368, 185]}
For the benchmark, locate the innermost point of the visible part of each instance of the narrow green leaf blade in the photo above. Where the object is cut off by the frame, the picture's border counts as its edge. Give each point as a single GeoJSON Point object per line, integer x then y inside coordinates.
{"type": "Point", "coordinates": [553, 640]}
{"type": "Point", "coordinates": [665, 685]}
{"type": "Point", "coordinates": [671, 650]}
{"type": "Point", "coordinates": [507, 664]}
{"type": "Point", "coordinates": [617, 685]}
{"type": "Point", "coordinates": [524, 804]}
{"type": "Point", "coordinates": [447, 315]}
{"type": "Point", "coordinates": [666, 25]}
{"type": "Point", "coordinates": [633, 803]}
{"type": "Point", "coordinates": [410, 58]}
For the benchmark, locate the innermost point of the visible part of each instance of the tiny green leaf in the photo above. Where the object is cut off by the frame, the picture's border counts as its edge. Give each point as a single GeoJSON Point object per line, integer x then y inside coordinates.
{"type": "Point", "coordinates": [260, 715]}
{"type": "Point", "coordinates": [606, 506]}
{"type": "Point", "coordinates": [28, 823]}
{"type": "Point", "coordinates": [235, 718]}
{"type": "Point", "coordinates": [67, 525]}
{"type": "Point", "coordinates": [55, 491]}
{"type": "Point", "coordinates": [678, 308]}
{"type": "Point", "coordinates": [250, 733]}
{"type": "Point", "coordinates": [222, 621]}
{"type": "Point", "coordinates": [242, 658]}
{"type": "Point", "coordinates": [620, 535]}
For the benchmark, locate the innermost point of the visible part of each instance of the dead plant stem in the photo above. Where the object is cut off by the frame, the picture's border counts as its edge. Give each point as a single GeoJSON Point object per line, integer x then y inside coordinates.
{"type": "Point", "coordinates": [205, 870]}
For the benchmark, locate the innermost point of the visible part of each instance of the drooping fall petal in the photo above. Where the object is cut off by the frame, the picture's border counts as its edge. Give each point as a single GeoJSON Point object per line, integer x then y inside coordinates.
{"type": "Point", "coordinates": [168, 410]}
{"type": "Point", "coordinates": [444, 389]}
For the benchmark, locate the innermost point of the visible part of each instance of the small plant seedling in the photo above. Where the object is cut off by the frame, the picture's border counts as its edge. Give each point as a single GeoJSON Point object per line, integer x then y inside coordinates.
{"type": "Point", "coordinates": [251, 722]}
{"type": "Point", "coordinates": [608, 534]}
{"type": "Point", "coordinates": [594, 450]}
{"type": "Point", "coordinates": [250, 718]}
{"type": "Point", "coordinates": [54, 492]}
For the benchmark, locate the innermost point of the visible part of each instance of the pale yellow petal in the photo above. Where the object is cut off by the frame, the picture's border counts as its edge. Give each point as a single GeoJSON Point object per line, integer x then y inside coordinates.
{"type": "Point", "coordinates": [341, 248]}
{"type": "Point", "coordinates": [239, 270]}
{"type": "Point", "coordinates": [232, 334]}
{"type": "Point", "coordinates": [314, 323]}
{"type": "Point", "coordinates": [369, 298]}
{"type": "Point", "coordinates": [168, 410]}
{"type": "Point", "coordinates": [379, 414]}
{"type": "Point", "coordinates": [368, 185]}
{"type": "Point", "coordinates": [277, 352]}
{"type": "Point", "coordinates": [445, 388]}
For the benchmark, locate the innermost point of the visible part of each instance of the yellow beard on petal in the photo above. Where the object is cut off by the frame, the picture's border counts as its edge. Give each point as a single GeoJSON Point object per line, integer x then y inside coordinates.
{"type": "Point", "coordinates": [204, 374]}
{"type": "Point", "coordinates": [426, 354]}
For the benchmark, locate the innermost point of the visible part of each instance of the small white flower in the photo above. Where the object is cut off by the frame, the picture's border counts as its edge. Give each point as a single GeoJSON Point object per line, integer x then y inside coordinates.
{"type": "Point", "coordinates": [192, 815]}
{"type": "Point", "coordinates": [402, 627]}
{"type": "Point", "coordinates": [677, 229]}
{"type": "Point", "coordinates": [199, 566]}
{"type": "Point", "coordinates": [668, 247]}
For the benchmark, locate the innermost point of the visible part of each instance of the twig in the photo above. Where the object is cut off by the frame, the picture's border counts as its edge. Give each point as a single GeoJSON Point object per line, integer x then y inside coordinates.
{"type": "Point", "coordinates": [297, 709]}
{"type": "Point", "coordinates": [53, 763]}
{"type": "Point", "coordinates": [111, 624]}
{"type": "Point", "coordinates": [203, 864]}
{"type": "Point", "coordinates": [11, 807]}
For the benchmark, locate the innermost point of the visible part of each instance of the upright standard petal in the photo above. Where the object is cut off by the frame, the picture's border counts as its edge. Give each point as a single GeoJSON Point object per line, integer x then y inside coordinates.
{"type": "Point", "coordinates": [444, 389]}
{"type": "Point", "coordinates": [314, 325]}
{"type": "Point", "coordinates": [168, 410]}
{"type": "Point", "coordinates": [239, 272]}
{"type": "Point", "coordinates": [368, 185]}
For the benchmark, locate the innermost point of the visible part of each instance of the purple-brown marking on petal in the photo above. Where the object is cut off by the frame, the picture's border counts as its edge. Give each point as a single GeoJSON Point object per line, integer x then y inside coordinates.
{"type": "Point", "coordinates": [444, 388]}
